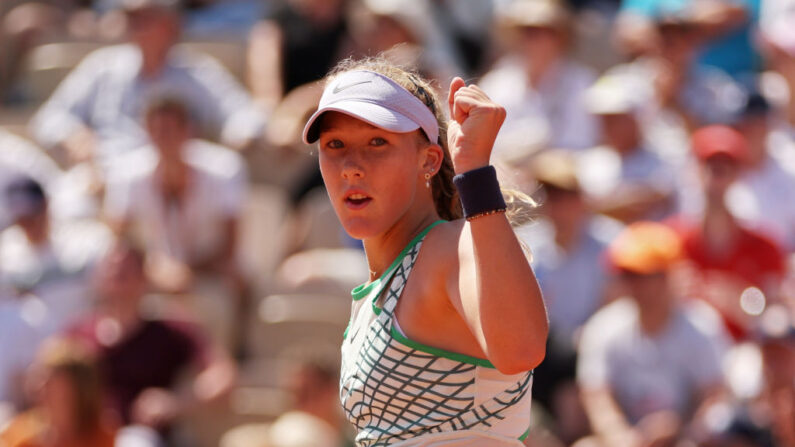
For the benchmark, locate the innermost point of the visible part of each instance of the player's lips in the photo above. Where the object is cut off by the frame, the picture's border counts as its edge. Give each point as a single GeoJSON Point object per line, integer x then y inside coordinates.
{"type": "Point", "coordinates": [356, 200]}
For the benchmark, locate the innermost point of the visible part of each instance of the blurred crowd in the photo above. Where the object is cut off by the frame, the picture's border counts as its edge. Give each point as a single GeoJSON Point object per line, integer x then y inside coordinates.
{"type": "Point", "coordinates": [172, 273]}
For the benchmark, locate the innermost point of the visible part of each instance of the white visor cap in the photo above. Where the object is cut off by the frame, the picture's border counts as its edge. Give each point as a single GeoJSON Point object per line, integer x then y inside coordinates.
{"type": "Point", "coordinates": [377, 100]}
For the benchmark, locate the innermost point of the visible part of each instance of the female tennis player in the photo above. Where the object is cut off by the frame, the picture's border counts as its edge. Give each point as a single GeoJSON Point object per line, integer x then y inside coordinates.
{"type": "Point", "coordinates": [444, 336]}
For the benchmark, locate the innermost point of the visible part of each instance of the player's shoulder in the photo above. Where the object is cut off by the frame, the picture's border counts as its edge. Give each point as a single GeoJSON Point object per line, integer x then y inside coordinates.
{"type": "Point", "coordinates": [445, 234]}
{"type": "Point", "coordinates": [440, 245]}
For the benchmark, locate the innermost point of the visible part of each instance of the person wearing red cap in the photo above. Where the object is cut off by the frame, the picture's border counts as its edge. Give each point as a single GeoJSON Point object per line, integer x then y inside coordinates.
{"type": "Point", "coordinates": [726, 257]}
{"type": "Point", "coordinates": [648, 365]}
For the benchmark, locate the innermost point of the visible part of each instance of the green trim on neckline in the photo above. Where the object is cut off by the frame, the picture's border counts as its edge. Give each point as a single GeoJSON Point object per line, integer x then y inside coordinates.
{"type": "Point", "coordinates": [525, 434]}
{"type": "Point", "coordinates": [463, 358]}
{"type": "Point", "coordinates": [364, 289]}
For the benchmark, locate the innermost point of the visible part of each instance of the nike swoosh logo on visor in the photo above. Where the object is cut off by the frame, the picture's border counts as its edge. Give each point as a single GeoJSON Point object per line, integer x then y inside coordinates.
{"type": "Point", "coordinates": [340, 88]}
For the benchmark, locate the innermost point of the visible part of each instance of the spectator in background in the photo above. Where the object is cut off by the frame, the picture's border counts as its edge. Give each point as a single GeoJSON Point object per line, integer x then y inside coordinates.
{"type": "Point", "coordinates": [69, 411]}
{"type": "Point", "coordinates": [141, 360]}
{"type": "Point", "coordinates": [47, 259]}
{"type": "Point", "coordinates": [726, 28]}
{"type": "Point", "coordinates": [761, 197]}
{"type": "Point", "coordinates": [298, 44]}
{"type": "Point", "coordinates": [19, 157]}
{"type": "Point", "coordinates": [648, 366]}
{"type": "Point", "coordinates": [567, 238]}
{"type": "Point", "coordinates": [728, 258]}
{"type": "Point", "coordinates": [778, 353]}
{"type": "Point", "coordinates": [23, 25]}
{"type": "Point", "coordinates": [778, 42]}
{"type": "Point", "coordinates": [679, 95]}
{"type": "Point", "coordinates": [409, 32]}
{"type": "Point", "coordinates": [315, 418]}
{"type": "Point", "coordinates": [96, 113]}
{"type": "Point", "coordinates": [624, 179]}
{"type": "Point", "coordinates": [183, 205]}
{"type": "Point", "coordinates": [540, 86]}
{"type": "Point", "coordinates": [567, 244]}
{"type": "Point", "coordinates": [227, 20]}
{"type": "Point", "coordinates": [469, 24]}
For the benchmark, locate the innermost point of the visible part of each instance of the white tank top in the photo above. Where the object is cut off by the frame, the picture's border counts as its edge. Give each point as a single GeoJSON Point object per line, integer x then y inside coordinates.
{"type": "Point", "coordinates": [396, 391]}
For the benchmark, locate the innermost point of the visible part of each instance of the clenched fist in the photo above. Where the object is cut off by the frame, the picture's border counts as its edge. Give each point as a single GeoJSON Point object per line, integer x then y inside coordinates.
{"type": "Point", "coordinates": [474, 123]}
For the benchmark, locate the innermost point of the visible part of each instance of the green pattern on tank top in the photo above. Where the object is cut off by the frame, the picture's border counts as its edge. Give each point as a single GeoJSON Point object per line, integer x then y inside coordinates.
{"type": "Point", "coordinates": [394, 389]}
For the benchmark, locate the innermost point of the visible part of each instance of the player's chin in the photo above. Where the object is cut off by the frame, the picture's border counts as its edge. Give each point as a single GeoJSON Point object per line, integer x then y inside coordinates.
{"type": "Point", "coordinates": [359, 228]}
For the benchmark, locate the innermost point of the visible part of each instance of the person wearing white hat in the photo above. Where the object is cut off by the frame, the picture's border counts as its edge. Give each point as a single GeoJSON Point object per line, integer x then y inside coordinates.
{"type": "Point", "coordinates": [444, 335]}
{"type": "Point", "coordinates": [622, 177]}
{"type": "Point", "coordinates": [538, 82]}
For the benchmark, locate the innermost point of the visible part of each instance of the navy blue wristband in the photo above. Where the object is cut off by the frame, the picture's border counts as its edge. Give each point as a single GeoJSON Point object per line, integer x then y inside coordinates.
{"type": "Point", "coordinates": [479, 192]}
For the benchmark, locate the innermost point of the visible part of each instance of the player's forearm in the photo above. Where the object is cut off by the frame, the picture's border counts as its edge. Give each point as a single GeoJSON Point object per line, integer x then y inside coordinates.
{"type": "Point", "coordinates": [508, 304]}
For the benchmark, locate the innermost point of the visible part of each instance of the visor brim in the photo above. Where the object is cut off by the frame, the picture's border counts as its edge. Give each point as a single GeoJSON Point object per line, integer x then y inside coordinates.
{"type": "Point", "coordinates": [373, 114]}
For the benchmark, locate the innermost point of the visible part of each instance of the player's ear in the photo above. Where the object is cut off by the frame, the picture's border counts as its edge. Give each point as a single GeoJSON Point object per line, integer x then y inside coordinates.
{"type": "Point", "coordinates": [431, 159]}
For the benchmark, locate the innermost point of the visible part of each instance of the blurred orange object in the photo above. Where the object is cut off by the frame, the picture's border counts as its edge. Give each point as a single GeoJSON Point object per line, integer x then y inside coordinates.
{"type": "Point", "coordinates": [31, 429]}
{"type": "Point", "coordinates": [645, 248]}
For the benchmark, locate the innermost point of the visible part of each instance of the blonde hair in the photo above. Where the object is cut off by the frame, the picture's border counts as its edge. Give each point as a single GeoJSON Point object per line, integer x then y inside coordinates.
{"type": "Point", "coordinates": [445, 195]}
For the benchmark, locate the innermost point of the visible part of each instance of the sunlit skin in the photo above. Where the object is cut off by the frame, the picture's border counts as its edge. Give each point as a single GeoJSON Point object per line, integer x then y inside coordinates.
{"type": "Point", "coordinates": [568, 212]}
{"type": "Point", "coordinates": [170, 132]}
{"type": "Point", "coordinates": [472, 290]}
{"type": "Point", "coordinates": [655, 301]}
{"type": "Point", "coordinates": [154, 31]}
{"type": "Point", "coordinates": [121, 284]}
{"type": "Point", "coordinates": [36, 227]}
{"type": "Point", "coordinates": [755, 129]}
{"type": "Point", "coordinates": [678, 44]}
{"type": "Point", "coordinates": [543, 48]}
{"type": "Point", "coordinates": [718, 173]}
{"type": "Point", "coordinates": [621, 132]}
{"type": "Point", "coordinates": [375, 178]}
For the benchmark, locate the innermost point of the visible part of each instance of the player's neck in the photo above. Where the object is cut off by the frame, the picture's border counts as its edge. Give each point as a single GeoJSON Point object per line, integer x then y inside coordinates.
{"type": "Point", "coordinates": [382, 250]}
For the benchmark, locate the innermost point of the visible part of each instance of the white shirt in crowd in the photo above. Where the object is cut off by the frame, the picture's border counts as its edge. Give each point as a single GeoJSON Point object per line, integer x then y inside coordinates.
{"type": "Point", "coordinates": [58, 273]}
{"type": "Point", "coordinates": [709, 95]}
{"type": "Point", "coordinates": [762, 198]}
{"type": "Point", "coordinates": [646, 373]}
{"type": "Point", "coordinates": [604, 173]}
{"type": "Point", "coordinates": [217, 192]}
{"type": "Point", "coordinates": [573, 281]}
{"type": "Point", "coordinates": [553, 115]}
{"type": "Point", "coordinates": [106, 94]}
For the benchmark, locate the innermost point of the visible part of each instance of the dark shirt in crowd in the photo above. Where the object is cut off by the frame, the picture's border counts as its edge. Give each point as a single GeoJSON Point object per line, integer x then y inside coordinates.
{"type": "Point", "coordinates": [309, 51]}
{"type": "Point", "coordinates": [152, 356]}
